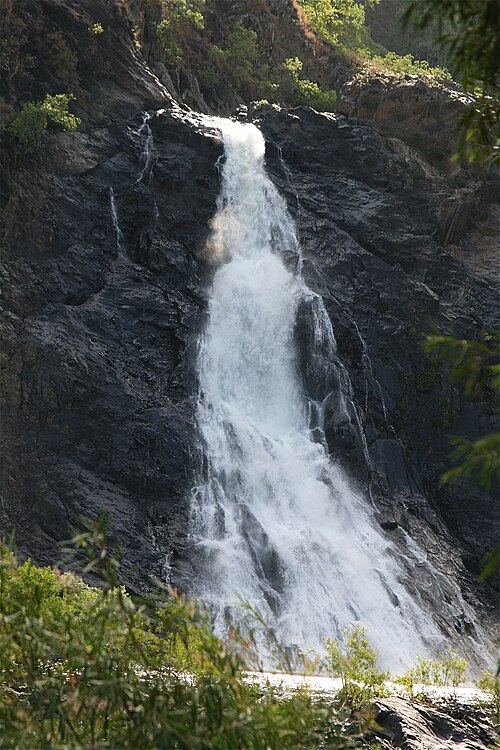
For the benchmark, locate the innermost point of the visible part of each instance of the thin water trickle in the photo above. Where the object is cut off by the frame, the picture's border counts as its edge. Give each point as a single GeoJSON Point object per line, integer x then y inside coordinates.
{"type": "Point", "coordinates": [145, 133]}
{"type": "Point", "coordinates": [274, 519]}
{"type": "Point", "coordinates": [116, 223]}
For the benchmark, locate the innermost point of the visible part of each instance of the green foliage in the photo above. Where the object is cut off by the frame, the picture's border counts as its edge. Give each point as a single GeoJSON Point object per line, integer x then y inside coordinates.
{"type": "Point", "coordinates": [241, 47]}
{"type": "Point", "coordinates": [403, 65]}
{"type": "Point", "coordinates": [342, 22]}
{"type": "Point", "coordinates": [480, 137]}
{"type": "Point", "coordinates": [446, 670]}
{"type": "Point", "coordinates": [476, 366]}
{"type": "Point", "coordinates": [355, 662]}
{"type": "Point", "coordinates": [490, 564]}
{"type": "Point", "coordinates": [170, 48]}
{"type": "Point", "coordinates": [240, 53]}
{"type": "Point", "coordinates": [311, 95]}
{"type": "Point", "coordinates": [490, 684]}
{"type": "Point", "coordinates": [56, 109]}
{"type": "Point", "coordinates": [447, 415]}
{"type": "Point", "coordinates": [233, 63]}
{"type": "Point", "coordinates": [181, 18]}
{"type": "Point", "coordinates": [82, 667]}
{"type": "Point", "coordinates": [480, 460]}
{"type": "Point", "coordinates": [339, 21]}
{"type": "Point", "coordinates": [29, 125]}
{"type": "Point", "coordinates": [307, 92]}
{"type": "Point", "coordinates": [181, 645]}
{"type": "Point", "coordinates": [97, 29]}
{"type": "Point", "coordinates": [185, 11]}
{"type": "Point", "coordinates": [14, 61]}
{"type": "Point", "coordinates": [293, 65]}
{"type": "Point", "coordinates": [472, 363]}
{"type": "Point", "coordinates": [468, 33]}
{"type": "Point", "coordinates": [453, 668]}
{"type": "Point", "coordinates": [236, 63]}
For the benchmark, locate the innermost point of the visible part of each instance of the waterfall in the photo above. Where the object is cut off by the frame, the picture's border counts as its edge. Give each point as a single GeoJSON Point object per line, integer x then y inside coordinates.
{"type": "Point", "coordinates": [274, 519]}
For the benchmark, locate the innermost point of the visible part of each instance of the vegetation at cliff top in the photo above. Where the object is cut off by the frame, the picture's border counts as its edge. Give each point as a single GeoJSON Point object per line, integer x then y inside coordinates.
{"type": "Point", "coordinates": [235, 62]}
{"type": "Point", "coordinates": [343, 22]}
{"type": "Point", "coordinates": [239, 62]}
{"type": "Point", "coordinates": [304, 91]}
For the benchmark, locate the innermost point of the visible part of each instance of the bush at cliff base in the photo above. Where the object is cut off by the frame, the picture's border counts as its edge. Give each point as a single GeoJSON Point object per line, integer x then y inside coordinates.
{"type": "Point", "coordinates": [96, 667]}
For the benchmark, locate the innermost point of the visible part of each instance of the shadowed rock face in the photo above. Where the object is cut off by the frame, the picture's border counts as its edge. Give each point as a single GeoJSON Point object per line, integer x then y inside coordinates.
{"type": "Point", "coordinates": [103, 301]}
{"type": "Point", "coordinates": [98, 340]}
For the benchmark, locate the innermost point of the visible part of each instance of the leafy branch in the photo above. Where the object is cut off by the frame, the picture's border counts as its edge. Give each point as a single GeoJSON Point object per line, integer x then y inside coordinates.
{"type": "Point", "coordinates": [476, 366]}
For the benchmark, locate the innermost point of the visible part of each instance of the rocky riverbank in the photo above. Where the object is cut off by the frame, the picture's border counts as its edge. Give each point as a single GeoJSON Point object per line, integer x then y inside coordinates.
{"type": "Point", "coordinates": [441, 719]}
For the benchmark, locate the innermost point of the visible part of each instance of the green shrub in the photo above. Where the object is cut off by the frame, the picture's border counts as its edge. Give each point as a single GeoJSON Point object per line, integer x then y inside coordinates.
{"type": "Point", "coordinates": [339, 21]}
{"type": "Point", "coordinates": [236, 63]}
{"type": "Point", "coordinates": [241, 46]}
{"type": "Point", "coordinates": [29, 125]}
{"type": "Point", "coordinates": [355, 662]}
{"type": "Point", "coordinates": [241, 51]}
{"type": "Point", "coordinates": [312, 95]}
{"type": "Point", "coordinates": [82, 667]}
{"type": "Point", "coordinates": [453, 668]}
{"type": "Point", "coordinates": [403, 65]}
{"type": "Point", "coordinates": [342, 22]}
{"type": "Point", "coordinates": [490, 684]}
{"type": "Point", "coordinates": [306, 92]}
{"type": "Point", "coordinates": [14, 60]}
{"type": "Point", "coordinates": [170, 48]}
{"type": "Point", "coordinates": [447, 415]}
{"type": "Point", "coordinates": [426, 379]}
{"type": "Point", "coordinates": [446, 670]}
{"type": "Point", "coordinates": [181, 17]}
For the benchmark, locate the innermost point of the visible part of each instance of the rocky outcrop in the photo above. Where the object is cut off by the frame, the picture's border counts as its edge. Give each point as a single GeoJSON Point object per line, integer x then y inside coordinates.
{"type": "Point", "coordinates": [424, 115]}
{"type": "Point", "coordinates": [103, 284]}
{"type": "Point", "coordinates": [421, 121]}
{"type": "Point", "coordinates": [420, 726]}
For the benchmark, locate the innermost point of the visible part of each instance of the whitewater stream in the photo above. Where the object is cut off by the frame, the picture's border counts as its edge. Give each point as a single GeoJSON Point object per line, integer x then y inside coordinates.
{"type": "Point", "coordinates": [275, 521]}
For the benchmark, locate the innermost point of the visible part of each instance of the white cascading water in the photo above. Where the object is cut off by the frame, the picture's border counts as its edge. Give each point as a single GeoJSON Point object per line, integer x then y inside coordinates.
{"type": "Point", "coordinates": [275, 520]}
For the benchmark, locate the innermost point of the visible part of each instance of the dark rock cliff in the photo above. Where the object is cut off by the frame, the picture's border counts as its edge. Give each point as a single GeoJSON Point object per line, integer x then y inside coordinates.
{"type": "Point", "coordinates": [103, 297]}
